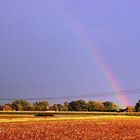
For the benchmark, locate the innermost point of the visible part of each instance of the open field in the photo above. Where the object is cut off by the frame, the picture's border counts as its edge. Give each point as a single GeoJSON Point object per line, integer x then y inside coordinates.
{"type": "Point", "coordinates": [68, 127]}
{"type": "Point", "coordinates": [60, 113]}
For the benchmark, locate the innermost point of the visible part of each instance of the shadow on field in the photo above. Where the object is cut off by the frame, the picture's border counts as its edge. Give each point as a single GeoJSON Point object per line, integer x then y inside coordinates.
{"type": "Point", "coordinates": [44, 115]}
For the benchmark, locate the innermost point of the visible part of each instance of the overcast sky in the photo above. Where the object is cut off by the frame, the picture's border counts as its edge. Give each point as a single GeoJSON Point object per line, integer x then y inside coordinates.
{"type": "Point", "coordinates": [42, 52]}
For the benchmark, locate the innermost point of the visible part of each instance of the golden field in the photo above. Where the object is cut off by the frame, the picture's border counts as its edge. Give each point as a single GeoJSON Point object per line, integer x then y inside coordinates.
{"type": "Point", "coordinates": [69, 127]}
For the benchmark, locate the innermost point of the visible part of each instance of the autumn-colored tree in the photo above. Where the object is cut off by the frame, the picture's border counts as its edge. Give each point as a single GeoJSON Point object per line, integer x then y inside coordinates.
{"type": "Point", "coordinates": [6, 107]}
{"type": "Point", "coordinates": [130, 109]}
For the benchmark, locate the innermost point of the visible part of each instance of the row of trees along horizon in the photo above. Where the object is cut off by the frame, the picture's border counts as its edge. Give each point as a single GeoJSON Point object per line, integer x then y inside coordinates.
{"type": "Point", "coordinates": [77, 105]}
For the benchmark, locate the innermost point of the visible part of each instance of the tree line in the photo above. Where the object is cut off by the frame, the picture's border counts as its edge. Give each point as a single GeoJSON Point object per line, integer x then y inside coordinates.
{"type": "Point", "coordinates": [77, 105]}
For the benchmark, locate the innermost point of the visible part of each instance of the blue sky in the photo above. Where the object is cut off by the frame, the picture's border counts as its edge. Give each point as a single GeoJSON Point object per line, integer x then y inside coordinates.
{"type": "Point", "coordinates": [43, 55]}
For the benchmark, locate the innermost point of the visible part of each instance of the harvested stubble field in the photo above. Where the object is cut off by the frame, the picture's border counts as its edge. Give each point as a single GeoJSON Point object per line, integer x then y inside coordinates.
{"type": "Point", "coordinates": [83, 128]}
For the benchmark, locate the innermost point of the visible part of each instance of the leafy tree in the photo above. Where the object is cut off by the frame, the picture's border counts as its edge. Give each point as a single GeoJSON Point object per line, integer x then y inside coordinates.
{"type": "Point", "coordinates": [22, 105]}
{"type": "Point", "coordinates": [51, 108]}
{"type": "Point", "coordinates": [55, 107]}
{"type": "Point", "coordinates": [41, 106]}
{"type": "Point", "coordinates": [95, 106]}
{"type": "Point", "coordinates": [137, 106]}
{"type": "Point", "coordinates": [74, 106]}
{"type": "Point", "coordinates": [79, 105]}
{"type": "Point", "coordinates": [110, 106]}
{"type": "Point", "coordinates": [66, 106]}
{"type": "Point", "coordinates": [0, 107]}
{"type": "Point", "coordinates": [58, 107]}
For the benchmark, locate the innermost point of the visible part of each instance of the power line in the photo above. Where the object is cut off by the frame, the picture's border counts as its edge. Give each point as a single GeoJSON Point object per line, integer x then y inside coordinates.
{"type": "Point", "coordinates": [100, 94]}
{"type": "Point", "coordinates": [75, 84]}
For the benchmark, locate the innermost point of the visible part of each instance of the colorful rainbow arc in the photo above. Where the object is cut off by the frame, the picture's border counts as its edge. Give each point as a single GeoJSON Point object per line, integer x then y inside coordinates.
{"type": "Point", "coordinates": [104, 66]}
{"type": "Point", "coordinates": [100, 60]}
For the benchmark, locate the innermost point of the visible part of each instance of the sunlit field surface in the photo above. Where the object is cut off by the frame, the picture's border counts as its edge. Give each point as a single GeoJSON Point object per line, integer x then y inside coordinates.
{"type": "Point", "coordinates": [68, 127]}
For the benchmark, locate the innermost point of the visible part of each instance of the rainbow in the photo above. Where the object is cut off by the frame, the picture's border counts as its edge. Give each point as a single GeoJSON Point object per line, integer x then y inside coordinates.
{"type": "Point", "coordinates": [99, 58]}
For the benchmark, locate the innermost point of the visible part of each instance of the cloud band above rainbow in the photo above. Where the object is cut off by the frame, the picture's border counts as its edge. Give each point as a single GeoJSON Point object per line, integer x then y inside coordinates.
{"type": "Point", "coordinates": [99, 58]}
